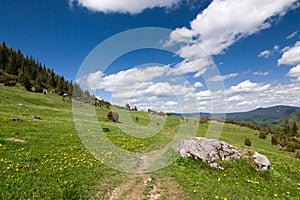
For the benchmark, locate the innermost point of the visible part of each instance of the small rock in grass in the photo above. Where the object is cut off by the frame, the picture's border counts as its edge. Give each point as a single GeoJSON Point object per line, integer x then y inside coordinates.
{"type": "Point", "coordinates": [22, 105]}
{"type": "Point", "coordinates": [14, 140]}
{"type": "Point", "coordinates": [36, 117]}
{"type": "Point", "coordinates": [261, 161]}
{"type": "Point", "coordinates": [15, 119]}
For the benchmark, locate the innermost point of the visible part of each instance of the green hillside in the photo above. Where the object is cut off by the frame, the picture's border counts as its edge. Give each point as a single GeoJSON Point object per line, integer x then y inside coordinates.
{"type": "Point", "coordinates": [52, 162]}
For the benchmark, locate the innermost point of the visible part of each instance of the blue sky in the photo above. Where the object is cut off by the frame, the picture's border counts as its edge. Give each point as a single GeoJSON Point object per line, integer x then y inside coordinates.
{"type": "Point", "coordinates": [254, 44]}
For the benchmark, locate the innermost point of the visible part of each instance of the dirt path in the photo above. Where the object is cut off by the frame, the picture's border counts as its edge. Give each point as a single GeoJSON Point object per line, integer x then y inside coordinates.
{"type": "Point", "coordinates": [144, 187]}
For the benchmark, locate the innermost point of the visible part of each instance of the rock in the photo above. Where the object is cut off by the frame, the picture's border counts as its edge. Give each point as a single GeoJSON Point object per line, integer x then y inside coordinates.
{"type": "Point", "coordinates": [36, 117]}
{"type": "Point", "coordinates": [113, 116]}
{"type": "Point", "coordinates": [208, 150]}
{"type": "Point", "coordinates": [14, 140]}
{"type": "Point", "coordinates": [212, 150]}
{"type": "Point", "coordinates": [262, 162]}
{"type": "Point", "coordinates": [22, 105]}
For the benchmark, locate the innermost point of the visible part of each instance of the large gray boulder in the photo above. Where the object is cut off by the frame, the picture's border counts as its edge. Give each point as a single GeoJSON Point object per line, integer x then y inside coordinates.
{"type": "Point", "coordinates": [212, 150]}
{"type": "Point", "coordinates": [208, 150]}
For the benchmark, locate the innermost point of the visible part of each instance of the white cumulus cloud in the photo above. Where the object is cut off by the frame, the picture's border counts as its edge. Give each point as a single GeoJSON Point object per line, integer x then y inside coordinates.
{"type": "Point", "coordinates": [224, 22]}
{"type": "Point", "coordinates": [198, 84]}
{"type": "Point", "coordinates": [130, 79]}
{"type": "Point", "coordinates": [123, 6]}
{"type": "Point", "coordinates": [291, 55]}
{"type": "Point", "coordinates": [248, 86]}
{"type": "Point", "coordinates": [268, 53]}
{"type": "Point", "coordinates": [295, 72]}
{"type": "Point", "coordinates": [265, 54]}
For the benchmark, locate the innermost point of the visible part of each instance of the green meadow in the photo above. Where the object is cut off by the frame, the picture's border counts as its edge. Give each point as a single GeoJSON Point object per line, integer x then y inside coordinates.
{"type": "Point", "coordinates": [53, 162]}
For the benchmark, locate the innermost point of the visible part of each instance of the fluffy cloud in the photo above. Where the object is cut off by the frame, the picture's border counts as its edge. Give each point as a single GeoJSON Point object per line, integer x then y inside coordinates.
{"type": "Point", "coordinates": [224, 22]}
{"type": "Point", "coordinates": [149, 87]}
{"type": "Point", "coordinates": [123, 6]}
{"type": "Point", "coordinates": [139, 88]}
{"type": "Point", "coordinates": [198, 65]}
{"type": "Point", "coordinates": [222, 78]}
{"type": "Point", "coordinates": [248, 86]}
{"type": "Point", "coordinates": [219, 26]}
{"type": "Point", "coordinates": [268, 53]}
{"type": "Point", "coordinates": [295, 72]}
{"type": "Point", "coordinates": [266, 96]}
{"type": "Point", "coordinates": [265, 54]}
{"type": "Point", "coordinates": [130, 79]}
{"type": "Point", "coordinates": [248, 95]}
{"type": "Point", "coordinates": [197, 85]}
{"type": "Point", "coordinates": [276, 48]}
{"type": "Point", "coordinates": [291, 55]}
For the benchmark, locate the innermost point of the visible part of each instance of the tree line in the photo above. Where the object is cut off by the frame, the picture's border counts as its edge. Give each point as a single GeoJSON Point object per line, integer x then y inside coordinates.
{"type": "Point", "coordinates": [286, 136]}
{"type": "Point", "coordinates": [15, 68]}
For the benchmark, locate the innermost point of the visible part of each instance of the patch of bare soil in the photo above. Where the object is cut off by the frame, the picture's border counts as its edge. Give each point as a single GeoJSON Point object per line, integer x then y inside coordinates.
{"type": "Point", "coordinates": [142, 186]}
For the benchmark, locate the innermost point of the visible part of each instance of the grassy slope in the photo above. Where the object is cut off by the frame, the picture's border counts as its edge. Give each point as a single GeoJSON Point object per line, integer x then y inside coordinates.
{"type": "Point", "coordinates": [53, 163]}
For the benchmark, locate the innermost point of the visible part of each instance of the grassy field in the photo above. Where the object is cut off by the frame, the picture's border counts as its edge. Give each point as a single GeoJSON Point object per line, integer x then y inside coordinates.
{"type": "Point", "coordinates": [53, 163]}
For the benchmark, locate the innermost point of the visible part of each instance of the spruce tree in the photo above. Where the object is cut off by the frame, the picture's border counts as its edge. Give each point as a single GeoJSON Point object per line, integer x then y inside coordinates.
{"type": "Point", "coordinates": [26, 83]}
{"type": "Point", "coordinates": [294, 129]}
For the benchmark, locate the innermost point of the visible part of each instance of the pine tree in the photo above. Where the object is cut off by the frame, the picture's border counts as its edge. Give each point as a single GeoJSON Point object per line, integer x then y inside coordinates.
{"type": "Point", "coordinates": [286, 127]}
{"type": "Point", "coordinates": [12, 66]}
{"type": "Point", "coordinates": [294, 129]}
{"type": "Point", "coordinates": [26, 83]}
{"type": "Point", "coordinates": [4, 56]}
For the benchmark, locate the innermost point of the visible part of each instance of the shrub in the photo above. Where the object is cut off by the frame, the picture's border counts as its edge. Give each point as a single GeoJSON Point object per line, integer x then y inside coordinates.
{"type": "Point", "coordinates": [262, 135]}
{"type": "Point", "coordinates": [10, 83]}
{"type": "Point", "coordinates": [203, 120]}
{"type": "Point", "coordinates": [247, 142]}
{"type": "Point", "coordinates": [274, 140]}
{"type": "Point", "coordinates": [137, 118]}
{"type": "Point", "coordinates": [297, 145]}
{"type": "Point", "coordinates": [113, 116]}
{"type": "Point", "coordinates": [106, 129]}
{"type": "Point", "coordinates": [290, 147]}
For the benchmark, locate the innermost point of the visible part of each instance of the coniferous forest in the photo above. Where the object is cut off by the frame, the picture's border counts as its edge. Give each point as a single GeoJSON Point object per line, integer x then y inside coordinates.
{"type": "Point", "coordinates": [15, 68]}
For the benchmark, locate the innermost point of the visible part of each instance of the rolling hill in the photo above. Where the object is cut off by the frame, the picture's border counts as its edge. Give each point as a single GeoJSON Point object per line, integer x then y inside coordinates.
{"type": "Point", "coordinates": [53, 163]}
{"type": "Point", "coordinates": [260, 116]}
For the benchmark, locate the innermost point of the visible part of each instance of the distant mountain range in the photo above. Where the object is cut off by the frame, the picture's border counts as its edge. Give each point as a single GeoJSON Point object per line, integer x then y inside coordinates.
{"type": "Point", "coordinates": [261, 116]}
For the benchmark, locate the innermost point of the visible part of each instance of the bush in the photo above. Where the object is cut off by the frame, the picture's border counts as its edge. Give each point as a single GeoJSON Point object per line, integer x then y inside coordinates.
{"type": "Point", "coordinates": [247, 142]}
{"type": "Point", "coordinates": [203, 120]}
{"type": "Point", "coordinates": [274, 140]}
{"type": "Point", "coordinates": [113, 116]}
{"type": "Point", "coordinates": [262, 135]}
{"type": "Point", "coordinates": [10, 83]}
{"type": "Point", "coordinates": [297, 145]}
{"type": "Point", "coordinates": [290, 147]}
{"type": "Point", "coordinates": [297, 155]}
{"type": "Point", "coordinates": [137, 119]}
